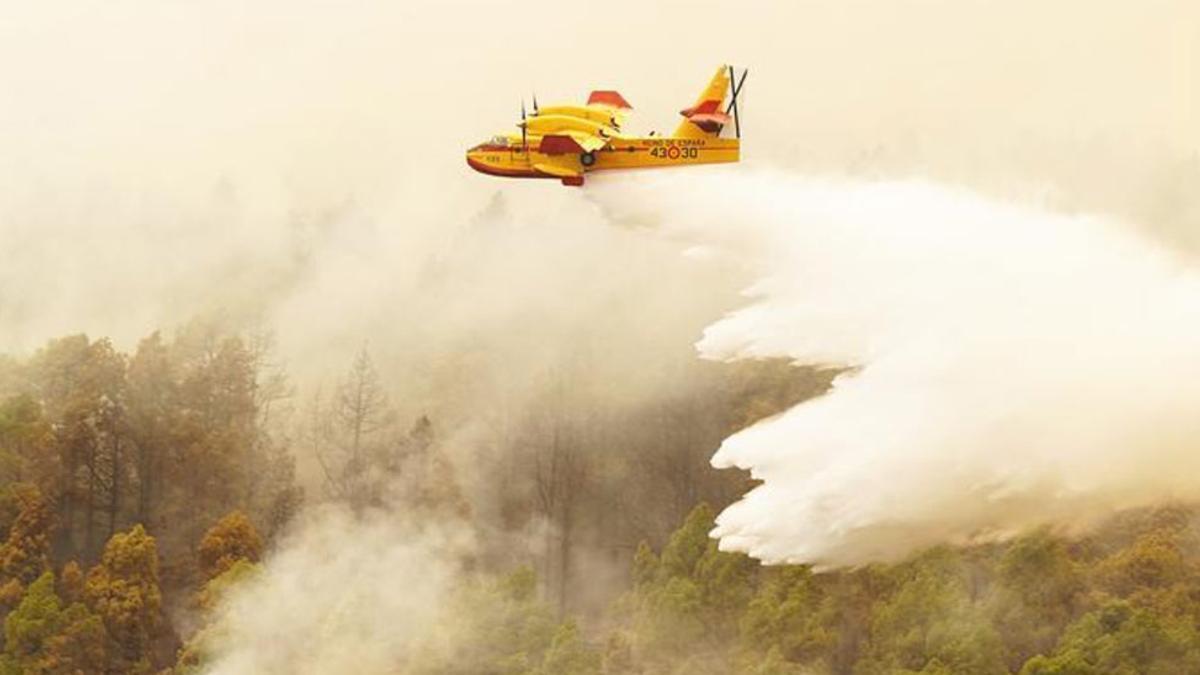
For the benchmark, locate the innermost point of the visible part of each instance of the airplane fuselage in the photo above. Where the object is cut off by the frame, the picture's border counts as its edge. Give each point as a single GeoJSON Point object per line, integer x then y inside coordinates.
{"type": "Point", "coordinates": [516, 160]}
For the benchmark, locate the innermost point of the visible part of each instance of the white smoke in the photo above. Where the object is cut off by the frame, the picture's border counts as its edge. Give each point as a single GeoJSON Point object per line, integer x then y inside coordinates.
{"type": "Point", "coordinates": [1008, 367]}
{"type": "Point", "coordinates": [343, 594]}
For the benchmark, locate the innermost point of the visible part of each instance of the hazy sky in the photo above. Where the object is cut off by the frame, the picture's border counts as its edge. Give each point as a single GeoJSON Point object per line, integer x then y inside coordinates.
{"type": "Point", "coordinates": [157, 157]}
{"type": "Point", "coordinates": [358, 94]}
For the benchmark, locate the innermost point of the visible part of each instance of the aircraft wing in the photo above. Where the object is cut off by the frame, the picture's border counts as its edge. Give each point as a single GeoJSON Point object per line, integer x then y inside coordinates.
{"type": "Point", "coordinates": [599, 113]}
{"type": "Point", "coordinates": [608, 99]}
{"type": "Point", "coordinates": [589, 142]}
{"type": "Point", "coordinates": [610, 102]}
{"type": "Point", "coordinates": [617, 117]}
{"type": "Point", "coordinates": [571, 141]}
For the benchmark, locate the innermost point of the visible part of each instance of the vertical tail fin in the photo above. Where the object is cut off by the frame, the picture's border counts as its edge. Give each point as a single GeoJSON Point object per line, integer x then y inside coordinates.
{"type": "Point", "coordinates": [707, 117]}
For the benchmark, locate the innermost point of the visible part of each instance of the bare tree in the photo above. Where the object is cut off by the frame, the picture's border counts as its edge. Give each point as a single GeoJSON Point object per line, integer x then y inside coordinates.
{"type": "Point", "coordinates": [560, 472]}
{"type": "Point", "coordinates": [349, 434]}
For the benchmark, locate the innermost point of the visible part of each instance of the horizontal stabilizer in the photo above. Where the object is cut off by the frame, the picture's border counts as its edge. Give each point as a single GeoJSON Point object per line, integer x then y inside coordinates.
{"type": "Point", "coordinates": [710, 122]}
{"type": "Point", "coordinates": [702, 108]}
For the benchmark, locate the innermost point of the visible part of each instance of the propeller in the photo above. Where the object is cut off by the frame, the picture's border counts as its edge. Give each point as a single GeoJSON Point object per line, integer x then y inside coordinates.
{"type": "Point", "coordinates": [524, 132]}
{"type": "Point", "coordinates": [737, 89]}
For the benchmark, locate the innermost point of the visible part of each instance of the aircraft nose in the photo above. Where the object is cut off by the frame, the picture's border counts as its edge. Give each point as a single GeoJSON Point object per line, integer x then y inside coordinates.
{"type": "Point", "coordinates": [474, 163]}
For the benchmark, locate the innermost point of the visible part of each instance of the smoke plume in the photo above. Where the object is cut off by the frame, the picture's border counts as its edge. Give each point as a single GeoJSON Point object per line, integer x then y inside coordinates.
{"type": "Point", "coordinates": [343, 594]}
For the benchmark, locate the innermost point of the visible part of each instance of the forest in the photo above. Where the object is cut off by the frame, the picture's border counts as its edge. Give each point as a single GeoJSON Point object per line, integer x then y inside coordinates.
{"type": "Point", "coordinates": [287, 388]}
{"type": "Point", "coordinates": [142, 490]}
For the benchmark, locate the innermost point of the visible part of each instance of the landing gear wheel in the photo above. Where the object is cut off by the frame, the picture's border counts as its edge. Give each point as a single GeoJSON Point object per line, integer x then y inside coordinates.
{"type": "Point", "coordinates": [587, 158]}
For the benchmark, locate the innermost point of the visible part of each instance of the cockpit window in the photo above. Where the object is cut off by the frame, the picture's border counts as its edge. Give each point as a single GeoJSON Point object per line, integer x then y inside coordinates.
{"type": "Point", "coordinates": [494, 144]}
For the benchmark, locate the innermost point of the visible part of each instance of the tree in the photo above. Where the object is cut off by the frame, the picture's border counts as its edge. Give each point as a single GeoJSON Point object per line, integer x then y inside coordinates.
{"type": "Point", "coordinates": [196, 652]}
{"type": "Point", "coordinates": [686, 603]}
{"type": "Point", "coordinates": [41, 637]}
{"type": "Point", "coordinates": [81, 385]}
{"type": "Point", "coordinates": [25, 437]}
{"type": "Point", "coordinates": [206, 414]}
{"type": "Point", "coordinates": [1154, 560]}
{"type": "Point", "coordinates": [80, 644]}
{"type": "Point", "coordinates": [794, 617]}
{"type": "Point", "coordinates": [1039, 591]}
{"type": "Point", "coordinates": [1120, 639]}
{"type": "Point", "coordinates": [560, 474]}
{"type": "Point", "coordinates": [123, 590]}
{"type": "Point", "coordinates": [25, 554]}
{"type": "Point", "coordinates": [272, 496]}
{"type": "Point", "coordinates": [213, 428]}
{"type": "Point", "coordinates": [351, 433]}
{"type": "Point", "coordinates": [153, 413]}
{"type": "Point", "coordinates": [420, 476]}
{"type": "Point", "coordinates": [58, 373]}
{"type": "Point", "coordinates": [500, 626]}
{"type": "Point", "coordinates": [230, 540]}
{"type": "Point", "coordinates": [278, 497]}
{"type": "Point", "coordinates": [569, 654]}
{"type": "Point", "coordinates": [71, 583]}
{"type": "Point", "coordinates": [27, 628]}
{"type": "Point", "coordinates": [215, 590]}
{"type": "Point", "coordinates": [931, 622]}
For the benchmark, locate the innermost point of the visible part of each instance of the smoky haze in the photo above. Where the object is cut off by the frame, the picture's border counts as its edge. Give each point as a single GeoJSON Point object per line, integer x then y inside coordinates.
{"type": "Point", "coordinates": [163, 158]}
{"type": "Point", "coordinates": [297, 168]}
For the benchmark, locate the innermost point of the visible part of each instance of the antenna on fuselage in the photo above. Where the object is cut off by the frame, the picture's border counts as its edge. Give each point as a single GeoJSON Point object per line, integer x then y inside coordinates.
{"type": "Point", "coordinates": [737, 89]}
{"type": "Point", "coordinates": [535, 106]}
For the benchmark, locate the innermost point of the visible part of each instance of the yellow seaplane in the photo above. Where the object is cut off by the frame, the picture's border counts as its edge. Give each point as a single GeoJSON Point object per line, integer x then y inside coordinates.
{"type": "Point", "coordinates": [568, 141]}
